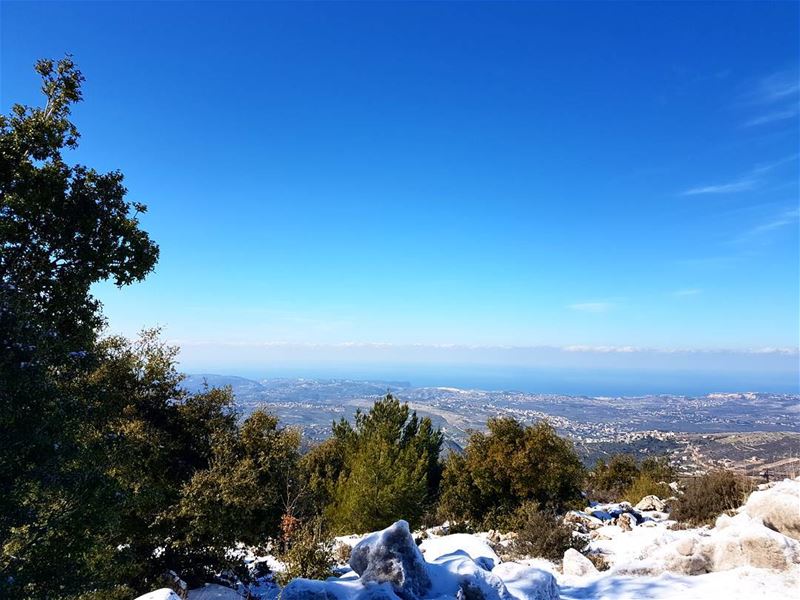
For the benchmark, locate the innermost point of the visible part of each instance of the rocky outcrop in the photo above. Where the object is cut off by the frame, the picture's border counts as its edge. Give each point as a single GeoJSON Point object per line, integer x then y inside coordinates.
{"type": "Point", "coordinates": [778, 507]}
{"type": "Point", "coordinates": [734, 542]}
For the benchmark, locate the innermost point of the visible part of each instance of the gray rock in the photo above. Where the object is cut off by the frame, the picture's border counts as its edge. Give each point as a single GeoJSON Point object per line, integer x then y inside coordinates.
{"type": "Point", "coordinates": [391, 556]}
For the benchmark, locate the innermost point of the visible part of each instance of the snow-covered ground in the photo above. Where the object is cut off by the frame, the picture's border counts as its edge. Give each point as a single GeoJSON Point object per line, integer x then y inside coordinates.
{"type": "Point", "coordinates": [752, 555]}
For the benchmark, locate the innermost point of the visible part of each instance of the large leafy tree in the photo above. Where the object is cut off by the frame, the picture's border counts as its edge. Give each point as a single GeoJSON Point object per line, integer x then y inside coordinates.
{"type": "Point", "coordinates": [110, 472]}
{"type": "Point", "coordinates": [62, 228]}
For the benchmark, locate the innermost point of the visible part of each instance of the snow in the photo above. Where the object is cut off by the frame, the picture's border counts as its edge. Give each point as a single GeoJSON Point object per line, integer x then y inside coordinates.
{"type": "Point", "coordinates": [475, 548]}
{"type": "Point", "coordinates": [740, 558]}
{"type": "Point", "coordinates": [162, 594]}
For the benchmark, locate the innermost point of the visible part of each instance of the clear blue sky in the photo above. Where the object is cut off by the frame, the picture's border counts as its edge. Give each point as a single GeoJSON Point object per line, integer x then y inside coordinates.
{"type": "Point", "coordinates": [566, 174]}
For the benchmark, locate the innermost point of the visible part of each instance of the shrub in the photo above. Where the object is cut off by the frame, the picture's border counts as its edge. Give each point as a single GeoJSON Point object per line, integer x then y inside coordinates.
{"type": "Point", "coordinates": [623, 477]}
{"type": "Point", "coordinates": [540, 533]}
{"type": "Point", "coordinates": [645, 485]}
{"type": "Point", "coordinates": [609, 480]}
{"type": "Point", "coordinates": [310, 555]}
{"type": "Point", "coordinates": [342, 554]}
{"type": "Point", "coordinates": [706, 497]}
{"type": "Point", "coordinates": [509, 465]}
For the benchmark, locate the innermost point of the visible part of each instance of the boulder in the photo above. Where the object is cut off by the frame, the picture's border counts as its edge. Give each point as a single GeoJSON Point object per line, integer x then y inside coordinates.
{"type": "Point", "coordinates": [651, 503]}
{"type": "Point", "coordinates": [391, 556]}
{"type": "Point", "coordinates": [626, 521]}
{"type": "Point", "coordinates": [576, 564]}
{"type": "Point", "coordinates": [740, 541]}
{"type": "Point", "coordinates": [778, 507]}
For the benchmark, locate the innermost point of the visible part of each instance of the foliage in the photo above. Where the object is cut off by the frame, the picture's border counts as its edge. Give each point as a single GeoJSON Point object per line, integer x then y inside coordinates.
{"type": "Point", "coordinates": [645, 485]}
{"type": "Point", "coordinates": [509, 465]}
{"type": "Point", "coordinates": [706, 497]}
{"type": "Point", "coordinates": [110, 472]}
{"type": "Point", "coordinates": [623, 477]}
{"type": "Point", "coordinates": [540, 533]}
{"type": "Point", "coordinates": [384, 467]}
{"type": "Point", "coordinates": [310, 555]}
{"type": "Point", "coordinates": [62, 229]}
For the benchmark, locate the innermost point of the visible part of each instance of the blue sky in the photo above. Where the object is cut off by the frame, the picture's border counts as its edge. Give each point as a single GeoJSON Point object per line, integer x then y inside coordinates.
{"type": "Point", "coordinates": [597, 177]}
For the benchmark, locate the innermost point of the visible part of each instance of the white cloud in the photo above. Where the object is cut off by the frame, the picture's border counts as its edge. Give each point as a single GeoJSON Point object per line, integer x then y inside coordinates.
{"type": "Point", "coordinates": [742, 185]}
{"type": "Point", "coordinates": [789, 217]}
{"type": "Point", "coordinates": [592, 307]}
{"type": "Point", "coordinates": [772, 117]}
{"type": "Point", "coordinates": [605, 349]}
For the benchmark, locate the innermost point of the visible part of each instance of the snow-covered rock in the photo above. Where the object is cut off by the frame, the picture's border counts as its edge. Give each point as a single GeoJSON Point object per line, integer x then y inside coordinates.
{"type": "Point", "coordinates": [778, 507]}
{"type": "Point", "coordinates": [161, 594]}
{"type": "Point", "coordinates": [474, 547]}
{"type": "Point", "coordinates": [387, 565]}
{"type": "Point", "coordinates": [576, 564]}
{"type": "Point", "coordinates": [734, 542]}
{"type": "Point", "coordinates": [651, 503]}
{"type": "Point", "coordinates": [742, 541]}
{"type": "Point", "coordinates": [527, 583]}
{"type": "Point", "coordinates": [391, 556]}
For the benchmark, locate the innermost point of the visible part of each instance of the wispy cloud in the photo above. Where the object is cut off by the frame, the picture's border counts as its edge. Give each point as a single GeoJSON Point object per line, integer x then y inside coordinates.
{"type": "Point", "coordinates": [592, 307]}
{"type": "Point", "coordinates": [687, 292]}
{"type": "Point", "coordinates": [789, 217]}
{"type": "Point", "coordinates": [772, 117]}
{"type": "Point", "coordinates": [747, 182]}
{"type": "Point", "coordinates": [777, 96]}
{"type": "Point", "coordinates": [741, 185]}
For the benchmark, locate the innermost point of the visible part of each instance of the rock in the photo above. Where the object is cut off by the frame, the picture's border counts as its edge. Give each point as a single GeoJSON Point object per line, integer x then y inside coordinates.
{"type": "Point", "coordinates": [626, 521]}
{"type": "Point", "coordinates": [527, 583]}
{"type": "Point", "coordinates": [391, 556]}
{"type": "Point", "coordinates": [778, 507]}
{"type": "Point", "coordinates": [733, 543]}
{"type": "Point", "coordinates": [161, 594]}
{"type": "Point", "coordinates": [576, 564]}
{"type": "Point", "coordinates": [740, 541]}
{"type": "Point", "coordinates": [463, 543]}
{"type": "Point", "coordinates": [651, 503]}
{"type": "Point", "coordinates": [582, 520]}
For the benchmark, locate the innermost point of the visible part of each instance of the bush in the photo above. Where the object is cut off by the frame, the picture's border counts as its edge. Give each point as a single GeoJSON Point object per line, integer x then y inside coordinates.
{"type": "Point", "coordinates": [310, 555]}
{"type": "Point", "coordinates": [506, 467]}
{"type": "Point", "coordinates": [622, 477]}
{"type": "Point", "coordinates": [540, 533]}
{"type": "Point", "coordinates": [706, 497]}
{"type": "Point", "coordinates": [609, 480]}
{"type": "Point", "coordinates": [645, 485]}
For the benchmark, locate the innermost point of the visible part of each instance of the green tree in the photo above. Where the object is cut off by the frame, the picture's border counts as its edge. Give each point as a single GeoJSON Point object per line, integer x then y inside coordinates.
{"type": "Point", "coordinates": [507, 466]}
{"type": "Point", "coordinates": [389, 469]}
{"type": "Point", "coordinates": [609, 480]}
{"type": "Point", "coordinates": [62, 228]}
